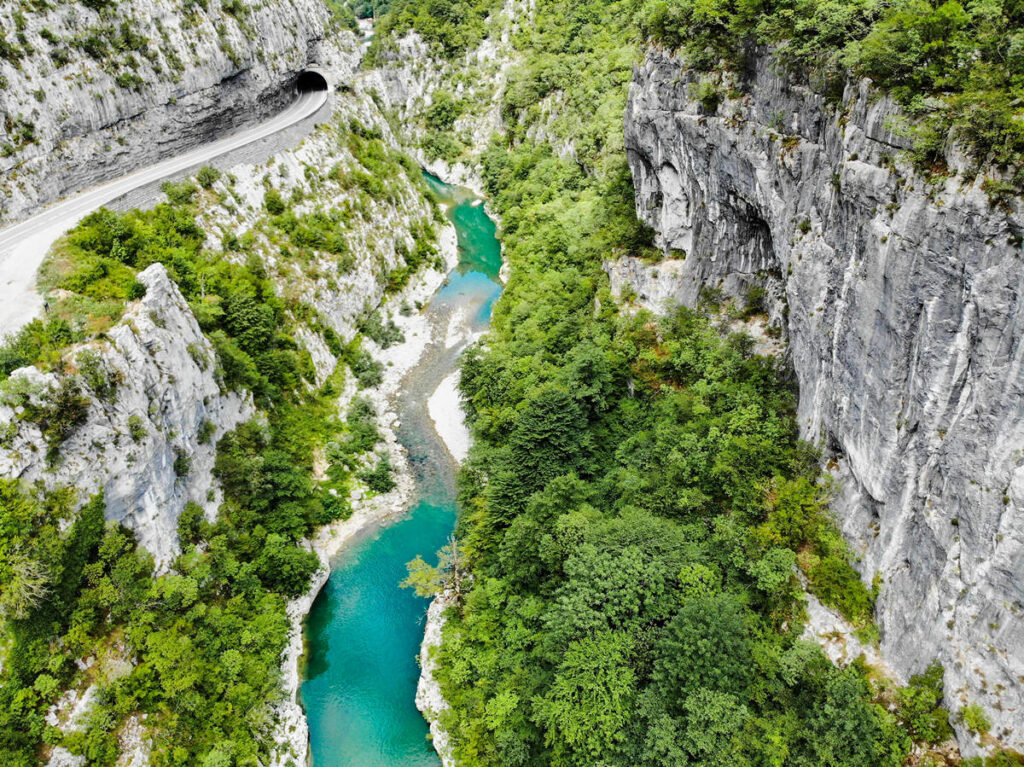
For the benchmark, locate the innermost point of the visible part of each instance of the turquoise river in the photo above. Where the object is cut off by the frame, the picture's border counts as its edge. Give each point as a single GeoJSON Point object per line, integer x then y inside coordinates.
{"type": "Point", "coordinates": [363, 632]}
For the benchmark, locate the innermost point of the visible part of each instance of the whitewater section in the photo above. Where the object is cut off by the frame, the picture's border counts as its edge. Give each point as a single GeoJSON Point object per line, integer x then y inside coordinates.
{"type": "Point", "coordinates": [363, 632]}
{"type": "Point", "coordinates": [23, 246]}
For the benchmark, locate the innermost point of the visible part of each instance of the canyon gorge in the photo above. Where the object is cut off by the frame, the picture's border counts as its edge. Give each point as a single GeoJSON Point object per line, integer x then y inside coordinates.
{"type": "Point", "coordinates": [753, 385]}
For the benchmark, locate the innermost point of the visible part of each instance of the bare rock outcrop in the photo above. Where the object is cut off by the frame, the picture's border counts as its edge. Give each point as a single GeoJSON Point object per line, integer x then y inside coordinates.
{"type": "Point", "coordinates": [429, 699]}
{"type": "Point", "coordinates": [149, 445]}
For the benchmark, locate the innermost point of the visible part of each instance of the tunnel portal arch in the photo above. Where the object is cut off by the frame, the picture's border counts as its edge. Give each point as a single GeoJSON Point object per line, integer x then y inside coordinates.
{"type": "Point", "coordinates": [311, 80]}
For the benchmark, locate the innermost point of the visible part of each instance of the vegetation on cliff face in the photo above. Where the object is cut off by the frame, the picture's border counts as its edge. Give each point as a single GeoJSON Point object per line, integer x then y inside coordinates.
{"type": "Point", "coordinates": [206, 640]}
{"type": "Point", "coordinates": [450, 26]}
{"type": "Point", "coordinates": [195, 653]}
{"type": "Point", "coordinates": [637, 506]}
{"type": "Point", "coordinates": [956, 67]}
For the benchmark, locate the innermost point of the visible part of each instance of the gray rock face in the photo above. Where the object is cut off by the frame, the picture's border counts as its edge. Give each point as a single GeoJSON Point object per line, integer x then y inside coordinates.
{"type": "Point", "coordinates": [902, 305]}
{"type": "Point", "coordinates": [429, 699]}
{"type": "Point", "coordinates": [166, 414]}
{"type": "Point", "coordinates": [110, 91]}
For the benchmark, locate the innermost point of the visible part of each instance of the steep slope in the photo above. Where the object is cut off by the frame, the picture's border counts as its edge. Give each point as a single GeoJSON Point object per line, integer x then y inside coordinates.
{"type": "Point", "coordinates": [307, 254]}
{"type": "Point", "coordinates": [901, 302]}
{"type": "Point", "coordinates": [91, 90]}
{"type": "Point", "coordinates": [159, 409]}
{"type": "Point", "coordinates": [447, 108]}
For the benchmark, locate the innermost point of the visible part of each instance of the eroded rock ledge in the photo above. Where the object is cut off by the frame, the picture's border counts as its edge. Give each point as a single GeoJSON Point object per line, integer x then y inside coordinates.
{"type": "Point", "coordinates": [429, 698]}
{"type": "Point", "coordinates": [168, 403]}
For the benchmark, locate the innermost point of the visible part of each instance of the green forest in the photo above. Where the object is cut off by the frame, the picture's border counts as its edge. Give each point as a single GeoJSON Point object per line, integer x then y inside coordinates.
{"type": "Point", "coordinates": [638, 519]}
{"type": "Point", "coordinates": [206, 640]}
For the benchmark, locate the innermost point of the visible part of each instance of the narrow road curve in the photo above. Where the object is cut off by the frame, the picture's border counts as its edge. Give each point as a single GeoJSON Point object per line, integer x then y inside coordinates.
{"type": "Point", "coordinates": [23, 246]}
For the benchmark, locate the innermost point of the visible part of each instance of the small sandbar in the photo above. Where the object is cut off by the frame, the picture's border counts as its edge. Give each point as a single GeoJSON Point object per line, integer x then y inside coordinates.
{"type": "Point", "coordinates": [445, 408]}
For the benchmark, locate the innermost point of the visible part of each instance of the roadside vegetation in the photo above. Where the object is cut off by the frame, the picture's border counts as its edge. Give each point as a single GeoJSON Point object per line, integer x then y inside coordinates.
{"type": "Point", "coordinates": [194, 654]}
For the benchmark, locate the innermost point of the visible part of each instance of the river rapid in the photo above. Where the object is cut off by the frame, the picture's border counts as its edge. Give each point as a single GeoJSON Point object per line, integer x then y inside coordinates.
{"type": "Point", "coordinates": [363, 632]}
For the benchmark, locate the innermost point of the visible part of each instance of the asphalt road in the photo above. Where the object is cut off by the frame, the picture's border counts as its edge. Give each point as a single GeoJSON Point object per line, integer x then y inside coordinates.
{"type": "Point", "coordinates": [24, 245]}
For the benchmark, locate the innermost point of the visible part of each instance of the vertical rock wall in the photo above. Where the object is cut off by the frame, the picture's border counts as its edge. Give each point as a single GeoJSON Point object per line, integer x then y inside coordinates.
{"type": "Point", "coordinates": [901, 300]}
{"type": "Point", "coordinates": [87, 95]}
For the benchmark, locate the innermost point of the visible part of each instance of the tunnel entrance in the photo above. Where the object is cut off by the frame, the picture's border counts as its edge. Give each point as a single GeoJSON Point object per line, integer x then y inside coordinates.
{"type": "Point", "coordinates": [310, 81]}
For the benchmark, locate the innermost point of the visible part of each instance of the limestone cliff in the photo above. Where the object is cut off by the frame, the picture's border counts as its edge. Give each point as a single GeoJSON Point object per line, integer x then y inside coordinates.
{"type": "Point", "coordinates": [89, 91]}
{"type": "Point", "coordinates": [148, 440]}
{"type": "Point", "coordinates": [901, 300]}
